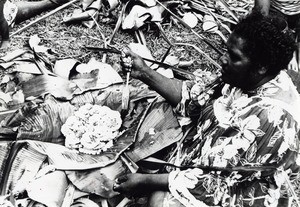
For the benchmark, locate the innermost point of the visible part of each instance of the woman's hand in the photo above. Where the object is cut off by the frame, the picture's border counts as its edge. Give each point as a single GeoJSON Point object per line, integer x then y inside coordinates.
{"type": "Point", "coordinates": [133, 63]}
{"type": "Point", "coordinates": [134, 185]}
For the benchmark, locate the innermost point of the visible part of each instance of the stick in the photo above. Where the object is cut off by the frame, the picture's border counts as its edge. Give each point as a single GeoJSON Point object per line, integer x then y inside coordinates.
{"type": "Point", "coordinates": [44, 17]}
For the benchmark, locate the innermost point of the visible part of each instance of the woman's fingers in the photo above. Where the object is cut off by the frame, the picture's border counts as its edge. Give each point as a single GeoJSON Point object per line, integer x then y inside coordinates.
{"type": "Point", "coordinates": [121, 179]}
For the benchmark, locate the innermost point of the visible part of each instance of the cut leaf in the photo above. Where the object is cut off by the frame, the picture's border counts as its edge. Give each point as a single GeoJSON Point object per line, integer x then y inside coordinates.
{"type": "Point", "coordinates": [190, 19]}
{"type": "Point", "coordinates": [113, 4]}
{"type": "Point", "coordinates": [84, 202]}
{"type": "Point", "coordinates": [12, 55]}
{"type": "Point", "coordinates": [86, 3]}
{"type": "Point", "coordinates": [5, 97]}
{"type": "Point", "coordinates": [34, 42]}
{"type": "Point", "coordinates": [49, 189]}
{"type": "Point", "coordinates": [26, 67]}
{"type": "Point", "coordinates": [209, 24]}
{"type": "Point", "coordinates": [139, 14]}
{"type": "Point", "coordinates": [63, 67]}
{"type": "Point", "coordinates": [149, 3]}
{"type": "Point", "coordinates": [44, 84]}
{"type": "Point", "coordinates": [142, 51]}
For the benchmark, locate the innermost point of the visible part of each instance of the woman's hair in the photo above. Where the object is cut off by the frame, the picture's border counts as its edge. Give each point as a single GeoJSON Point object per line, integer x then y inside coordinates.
{"type": "Point", "coordinates": [268, 41]}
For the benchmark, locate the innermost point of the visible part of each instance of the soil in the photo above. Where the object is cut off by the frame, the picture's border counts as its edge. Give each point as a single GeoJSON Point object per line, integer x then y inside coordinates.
{"type": "Point", "coordinates": [69, 40]}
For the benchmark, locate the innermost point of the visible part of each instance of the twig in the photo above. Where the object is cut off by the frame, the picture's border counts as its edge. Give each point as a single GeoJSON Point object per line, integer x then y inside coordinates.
{"type": "Point", "coordinates": [44, 17]}
{"type": "Point", "coordinates": [102, 36]}
{"type": "Point", "coordinates": [187, 26]}
{"type": "Point", "coordinates": [201, 52]}
{"type": "Point", "coordinates": [119, 22]}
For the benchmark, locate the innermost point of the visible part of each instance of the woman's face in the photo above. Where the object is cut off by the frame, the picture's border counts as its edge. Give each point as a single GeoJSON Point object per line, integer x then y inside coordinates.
{"type": "Point", "coordinates": [237, 68]}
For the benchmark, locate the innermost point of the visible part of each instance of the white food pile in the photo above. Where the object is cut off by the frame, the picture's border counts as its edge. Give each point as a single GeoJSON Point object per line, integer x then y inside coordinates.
{"type": "Point", "coordinates": [92, 129]}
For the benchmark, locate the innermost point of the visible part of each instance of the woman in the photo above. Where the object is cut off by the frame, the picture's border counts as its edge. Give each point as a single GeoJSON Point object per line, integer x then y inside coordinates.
{"type": "Point", "coordinates": [247, 125]}
{"type": "Point", "coordinates": [11, 13]}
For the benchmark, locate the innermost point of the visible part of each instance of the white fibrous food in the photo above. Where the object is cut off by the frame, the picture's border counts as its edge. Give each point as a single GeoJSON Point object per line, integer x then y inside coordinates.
{"type": "Point", "coordinates": [92, 129]}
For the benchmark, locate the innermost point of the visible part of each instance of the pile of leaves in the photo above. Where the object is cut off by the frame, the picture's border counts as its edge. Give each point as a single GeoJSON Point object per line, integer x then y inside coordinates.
{"type": "Point", "coordinates": [190, 33]}
{"type": "Point", "coordinates": [72, 58]}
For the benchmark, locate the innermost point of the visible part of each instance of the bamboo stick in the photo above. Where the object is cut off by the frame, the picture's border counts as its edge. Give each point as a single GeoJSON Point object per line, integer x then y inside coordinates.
{"type": "Point", "coordinates": [44, 17]}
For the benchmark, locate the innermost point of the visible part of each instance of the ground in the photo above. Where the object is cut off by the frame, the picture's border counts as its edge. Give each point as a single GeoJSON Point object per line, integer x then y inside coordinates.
{"type": "Point", "coordinates": [69, 40]}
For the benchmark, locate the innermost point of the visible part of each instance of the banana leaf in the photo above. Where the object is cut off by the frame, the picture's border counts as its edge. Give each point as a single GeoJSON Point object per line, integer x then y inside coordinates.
{"type": "Point", "coordinates": [20, 164]}
{"type": "Point", "coordinates": [138, 14]}
{"type": "Point", "coordinates": [48, 189]}
{"type": "Point", "coordinates": [158, 130]}
{"type": "Point", "coordinates": [5, 147]}
{"type": "Point", "coordinates": [40, 120]}
{"type": "Point", "coordinates": [98, 181]}
{"type": "Point", "coordinates": [44, 84]}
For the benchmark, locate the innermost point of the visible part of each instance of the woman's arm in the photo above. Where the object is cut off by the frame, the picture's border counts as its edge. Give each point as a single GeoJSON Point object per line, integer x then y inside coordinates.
{"type": "Point", "coordinates": [262, 6]}
{"type": "Point", "coordinates": [170, 89]}
{"type": "Point", "coordinates": [4, 29]}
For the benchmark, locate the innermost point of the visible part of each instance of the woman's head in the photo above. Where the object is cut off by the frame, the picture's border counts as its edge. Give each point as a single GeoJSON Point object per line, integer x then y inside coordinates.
{"type": "Point", "coordinates": [268, 41]}
{"type": "Point", "coordinates": [257, 50]}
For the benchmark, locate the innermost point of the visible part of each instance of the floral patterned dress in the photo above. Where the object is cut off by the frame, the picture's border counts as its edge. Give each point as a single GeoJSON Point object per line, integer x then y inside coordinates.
{"type": "Point", "coordinates": [250, 137]}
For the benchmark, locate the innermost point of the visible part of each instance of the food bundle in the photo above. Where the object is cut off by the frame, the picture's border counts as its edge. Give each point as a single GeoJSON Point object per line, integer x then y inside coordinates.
{"type": "Point", "coordinates": [92, 129]}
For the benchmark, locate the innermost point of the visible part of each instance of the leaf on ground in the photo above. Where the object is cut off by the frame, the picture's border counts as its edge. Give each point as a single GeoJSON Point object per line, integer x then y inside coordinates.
{"type": "Point", "coordinates": [143, 51]}
{"type": "Point", "coordinates": [44, 84]}
{"type": "Point", "coordinates": [84, 202]}
{"type": "Point", "coordinates": [84, 14]}
{"type": "Point", "coordinates": [26, 67]}
{"type": "Point", "coordinates": [209, 24]}
{"type": "Point", "coordinates": [138, 15]}
{"type": "Point", "coordinates": [95, 75]}
{"type": "Point", "coordinates": [190, 19]}
{"type": "Point", "coordinates": [86, 3]}
{"type": "Point", "coordinates": [48, 189]}
{"type": "Point", "coordinates": [63, 67]}
{"type": "Point", "coordinates": [34, 43]}
{"type": "Point", "coordinates": [113, 4]}
{"type": "Point", "coordinates": [5, 97]}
